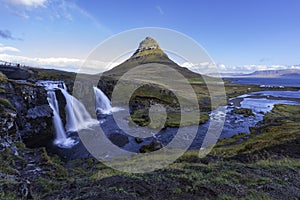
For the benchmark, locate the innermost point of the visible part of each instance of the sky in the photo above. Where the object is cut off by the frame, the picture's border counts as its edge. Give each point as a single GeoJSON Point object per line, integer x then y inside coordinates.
{"type": "Point", "coordinates": [239, 35]}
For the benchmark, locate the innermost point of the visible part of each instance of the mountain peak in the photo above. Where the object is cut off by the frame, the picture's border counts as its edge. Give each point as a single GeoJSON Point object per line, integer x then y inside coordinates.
{"type": "Point", "coordinates": [148, 52]}
{"type": "Point", "coordinates": [148, 43]}
{"type": "Point", "coordinates": [148, 46]}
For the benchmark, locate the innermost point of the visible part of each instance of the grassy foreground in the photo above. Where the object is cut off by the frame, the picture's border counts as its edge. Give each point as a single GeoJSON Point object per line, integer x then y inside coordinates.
{"type": "Point", "coordinates": [262, 165]}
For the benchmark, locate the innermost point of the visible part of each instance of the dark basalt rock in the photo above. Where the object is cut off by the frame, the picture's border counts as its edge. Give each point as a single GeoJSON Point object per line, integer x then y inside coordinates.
{"type": "Point", "coordinates": [33, 114]}
{"type": "Point", "coordinates": [118, 139]}
{"type": "Point", "coordinates": [138, 140]}
{"type": "Point", "coordinates": [39, 111]}
{"type": "Point", "coordinates": [62, 104]}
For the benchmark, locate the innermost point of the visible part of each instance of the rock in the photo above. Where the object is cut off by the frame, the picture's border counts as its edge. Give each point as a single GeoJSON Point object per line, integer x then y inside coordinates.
{"type": "Point", "coordinates": [14, 151]}
{"type": "Point", "coordinates": [39, 111]}
{"type": "Point", "coordinates": [33, 114]}
{"type": "Point", "coordinates": [25, 190]}
{"type": "Point", "coordinates": [148, 45]}
{"type": "Point", "coordinates": [62, 104]}
{"type": "Point", "coordinates": [118, 139]}
{"type": "Point", "coordinates": [243, 111]}
{"type": "Point", "coordinates": [7, 119]}
{"type": "Point", "coordinates": [138, 140]}
{"type": "Point", "coordinates": [153, 146]}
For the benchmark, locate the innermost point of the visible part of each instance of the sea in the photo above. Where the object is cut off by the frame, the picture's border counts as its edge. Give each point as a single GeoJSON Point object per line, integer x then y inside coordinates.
{"type": "Point", "coordinates": [286, 81]}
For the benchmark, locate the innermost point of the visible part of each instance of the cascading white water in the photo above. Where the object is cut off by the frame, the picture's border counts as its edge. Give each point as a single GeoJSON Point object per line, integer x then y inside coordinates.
{"type": "Point", "coordinates": [102, 102]}
{"type": "Point", "coordinates": [77, 116]}
{"type": "Point", "coordinates": [59, 129]}
{"type": "Point", "coordinates": [61, 138]}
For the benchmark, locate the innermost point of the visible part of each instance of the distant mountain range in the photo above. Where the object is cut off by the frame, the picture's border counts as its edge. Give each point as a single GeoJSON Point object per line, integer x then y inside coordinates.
{"type": "Point", "coordinates": [266, 74]}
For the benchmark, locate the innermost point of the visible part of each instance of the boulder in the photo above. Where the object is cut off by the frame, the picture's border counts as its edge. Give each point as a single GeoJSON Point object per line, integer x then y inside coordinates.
{"type": "Point", "coordinates": [118, 139]}
{"type": "Point", "coordinates": [153, 146]}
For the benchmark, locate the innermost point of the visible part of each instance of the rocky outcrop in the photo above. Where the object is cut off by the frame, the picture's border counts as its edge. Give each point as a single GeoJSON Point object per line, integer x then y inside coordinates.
{"type": "Point", "coordinates": [31, 116]}
{"type": "Point", "coordinates": [62, 104]}
{"type": "Point", "coordinates": [107, 84]}
{"type": "Point", "coordinates": [149, 46]}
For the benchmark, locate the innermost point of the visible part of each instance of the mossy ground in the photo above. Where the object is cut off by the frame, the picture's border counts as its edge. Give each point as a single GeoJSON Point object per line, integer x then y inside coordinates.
{"type": "Point", "coordinates": [243, 111]}
{"type": "Point", "coordinates": [220, 175]}
{"type": "Point", "coordinates": [280, 126]}
{"type": "Point", "coordinates": [4, 103]}
{"type": "Point", "coordinates": [3, 78]}
{"type": "Point", "coordinates": [157, 119]}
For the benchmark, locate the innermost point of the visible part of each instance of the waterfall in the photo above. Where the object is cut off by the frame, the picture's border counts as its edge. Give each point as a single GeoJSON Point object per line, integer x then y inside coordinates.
{"type": "Point", "coordinates": [77, 117]}
{"type": "Point", "coordinates": [61, 138]}
{"type": "Point", "coordinates": [102, 102]}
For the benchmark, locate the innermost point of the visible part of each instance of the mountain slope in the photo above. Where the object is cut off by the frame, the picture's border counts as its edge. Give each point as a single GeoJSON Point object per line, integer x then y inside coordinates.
{"type": "Point", "coordinates": [148, 52]}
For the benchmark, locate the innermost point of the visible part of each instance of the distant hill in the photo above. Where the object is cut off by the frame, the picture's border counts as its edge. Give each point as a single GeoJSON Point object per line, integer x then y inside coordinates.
{"type": "Point", "coordinates": [276, 73]}
{"type": "Point", "coordinates": [267, 74]}
{"type": "Point", "coordinates": [225, 74]}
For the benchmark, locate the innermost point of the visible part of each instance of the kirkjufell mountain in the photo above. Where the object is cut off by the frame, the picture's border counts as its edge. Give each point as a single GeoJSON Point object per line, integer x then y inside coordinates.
{"type": "Point", "coordinates": [149, 51]}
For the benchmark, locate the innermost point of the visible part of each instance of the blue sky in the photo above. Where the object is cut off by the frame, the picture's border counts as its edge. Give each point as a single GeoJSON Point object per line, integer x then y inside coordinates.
{"type": "Point", "coordinates": [240, 35]}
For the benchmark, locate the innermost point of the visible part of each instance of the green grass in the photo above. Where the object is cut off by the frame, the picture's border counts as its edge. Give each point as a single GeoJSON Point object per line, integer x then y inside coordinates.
{"type": "Point", "coordinates": [6, 103]}
{"type": "Point", "coordinates": [192, 80]}
{"type": "Point", "coordinates": [281, 125]}
{"type": "Point", "coordinates": [278, 165]}
{"type": "Point", "coordinates": [157, 119]}
{"type": "Point", "coordinates": [3, 78]}
{"type": "Point", "coordinates": [2, 89]}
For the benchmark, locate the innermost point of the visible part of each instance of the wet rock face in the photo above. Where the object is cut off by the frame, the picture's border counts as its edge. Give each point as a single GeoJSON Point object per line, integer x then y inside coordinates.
{"type": "Point", "coordinates": [33, 120]}
{"type": "Point", "coordinates": [107, 86]}
{"type": "Point", "coordinates": [39, 111]}
{"type": "Point", "coordinates": [62, 104]}
{"type": "Point", "coordinates": [7, 119]}
{"type": "Point", "coordinates": [7, 130]}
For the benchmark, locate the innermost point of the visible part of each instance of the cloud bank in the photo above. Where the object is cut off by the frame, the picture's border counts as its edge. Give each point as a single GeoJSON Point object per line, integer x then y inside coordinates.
{"type": "Point", "coordinates": [28, 3]}
{"type": "Point", "coordinates": [4, 48]}
{"type": "Point", "coordinates": [67, 64]}
{"type": "Point", "coordinates": [210, 68]}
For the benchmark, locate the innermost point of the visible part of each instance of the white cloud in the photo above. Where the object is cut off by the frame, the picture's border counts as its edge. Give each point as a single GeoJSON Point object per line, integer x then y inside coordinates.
{"type": "Point", "coordinates": [211, 68]}
{"type": "Point", "coordinates": [187, 64]}
{"type": "Point", "coordinates": [252, 68]}
{"type": "Point", "coordinates": [202, 68]}
{"type": "Point", "coordinates": [68, 64]}
{"type": "Point", "coordinates": [4, 48]}
{"type": "Point", "coordinates": [295, 67]}
{"type": "Point", "coordinates": [28, 3]}
{"type": "Point", "coordinates": [222, 67]}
